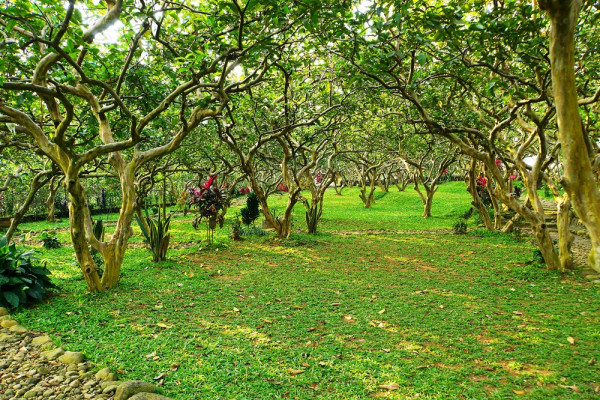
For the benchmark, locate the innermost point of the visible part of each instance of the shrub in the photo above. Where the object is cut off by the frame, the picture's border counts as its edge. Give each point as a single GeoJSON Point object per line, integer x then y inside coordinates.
{"type": "Point", "coordinates": [157, 236]}
{"type": "Point", "coordinates": [282, 187]}
{"type": "Point", "coordinates": [251, 212]}
{"type": "Point", "coordinates": [236, 228]}
{"type": "Point", "coordinates": [50, 240]}
{"type": "Point", "coordinates": [460, 226]}
{"type": "Point", "coordinates": [21, 282]}
{"type": "Point", "coordinates": [212, 202]}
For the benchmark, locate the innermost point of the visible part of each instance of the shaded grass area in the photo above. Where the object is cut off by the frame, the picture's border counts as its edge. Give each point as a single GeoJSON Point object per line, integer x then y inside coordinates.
{"type": "Point", "coordinates": [336, 315]}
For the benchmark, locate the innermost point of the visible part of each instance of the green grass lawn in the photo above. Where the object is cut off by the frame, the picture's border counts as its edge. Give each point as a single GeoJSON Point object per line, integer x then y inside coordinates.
{"type": "Point", "coordinates": [348, 313]}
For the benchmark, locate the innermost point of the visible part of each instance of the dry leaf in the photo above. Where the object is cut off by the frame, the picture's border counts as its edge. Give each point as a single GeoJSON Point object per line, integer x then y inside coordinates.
{"type": "Point", "coordinates": [159, 377]}
{"type": "Point", "coordinates": [235, 309]}
{"type": "Point", "coordinates": [381, 311]}
{"type": "Point", "coordinates": [312, 328]}
{"type": "Point", "coordinates": [174, 367]}
{"type": "Point", "coordinates": [191, 274]}
{"type": "Point", "coordinates": [266, 321]}
{"type": "Point", "coordinates": [305, 364]}
{"type": "Point", "coordinates": [292, 371]}
{"type": "Point", "coordinates": [348, 318]}
{"type": "Point", "coordinates": [517, 313]}
{"type": "Point", "coordinates": [390, 386]}
{"type": "Point", "coordinates": [297, 307]}
{"type": "Point", "coordinates": [573, 387]}
{"type": "Point", "coordinates": [571, 340]}
{"type": "Point", "coordinates": [336, 304]}
{"type": "Point", "coordinates": [151, 354]}
{"type": "Point", "coordinates": [314, 386]}
{"type": "Point", "coordinates": [519, 392]}
{"type": "Point", "coordinates": [161, 325]}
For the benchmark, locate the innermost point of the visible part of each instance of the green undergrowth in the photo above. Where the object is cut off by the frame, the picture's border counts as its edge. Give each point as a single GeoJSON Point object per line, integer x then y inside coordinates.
{"type": "Point", "coordinates": [348, 313]}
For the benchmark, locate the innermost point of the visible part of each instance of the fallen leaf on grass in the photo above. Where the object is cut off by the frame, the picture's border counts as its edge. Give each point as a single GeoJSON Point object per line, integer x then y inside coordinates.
{"type": "Point", "coordinates": [336, 304]}
{"type": "Point", "coordinates": [266, 321]}
{"type": "Point", "coordinates": [305, 364]}
{"type": "Point", "coordinates": [517, 313]}
{"type": "Point", "coordinates": [174, 367]}
{"type": "Point", "coordinates": [348, 319]}
{"type": "Point", "coordinates": [294, 372]}
{"type": "Point", "coordinates": [161, 325]}
{"type": "Point", "coordinates": [161, 376]}
{"type": "Point", "coordinates": [151, 354]}
{"type": "Point", "coordinates": [519, 392]}
{"type": "Point", "coordinates": [572, 387]}
{"type": "Point", "coordinates": [314, 386]}
{"type": "Point", "coordinates": [390, 386]}
{"type": "Point", "coordinates": [235, 309]}
{"type": "Point", "coordinates": [571, 339]}
{"type": "Point", "coordinates": [312, 328]}
{"type": "Point", "coordinates": [381, 311]}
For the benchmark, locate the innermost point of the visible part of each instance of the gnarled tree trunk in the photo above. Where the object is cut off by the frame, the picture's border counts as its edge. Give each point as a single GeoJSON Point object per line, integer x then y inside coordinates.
{"type": "Point", "coordinates": [578, 180]}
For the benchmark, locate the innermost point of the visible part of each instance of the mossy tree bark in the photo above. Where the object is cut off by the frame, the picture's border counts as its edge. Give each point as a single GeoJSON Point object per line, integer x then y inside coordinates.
{"type": "Point", "coordinates": [579, 179]}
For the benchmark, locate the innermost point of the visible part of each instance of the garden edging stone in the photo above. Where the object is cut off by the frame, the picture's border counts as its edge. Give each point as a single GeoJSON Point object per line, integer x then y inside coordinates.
{"type": "Point", "coordinates": [32, 367]}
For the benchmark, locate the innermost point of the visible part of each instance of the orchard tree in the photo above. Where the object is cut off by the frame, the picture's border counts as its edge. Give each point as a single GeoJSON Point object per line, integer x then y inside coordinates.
{"type": "Point", "coordinates": [171, 68]}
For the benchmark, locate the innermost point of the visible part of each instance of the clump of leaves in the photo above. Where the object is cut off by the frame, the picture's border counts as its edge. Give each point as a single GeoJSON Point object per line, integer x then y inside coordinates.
{"type": "Point", "coordinates": [460, 226]}
{"type": "Point", "coordinates": [212, 202]}
{"type": "Point", "coordinates": [253, 231]}
{"type": "Point", "coordinates": [157, 235]}
{"type": "Point", "coordinates": [50, 240]}
{"type": "Point", "coordinates": [21, 282]}
{"type": "Point", "coordinates": [251, 212]}
{"type": "Point", "coordinates": [538, 258]}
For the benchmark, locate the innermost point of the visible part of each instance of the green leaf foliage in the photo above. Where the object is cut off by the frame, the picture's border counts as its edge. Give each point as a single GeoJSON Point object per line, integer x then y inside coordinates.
{"type": "Point", "coordinates": [21, 282]}
{"type": "Point", "coordinates": [157, 235]}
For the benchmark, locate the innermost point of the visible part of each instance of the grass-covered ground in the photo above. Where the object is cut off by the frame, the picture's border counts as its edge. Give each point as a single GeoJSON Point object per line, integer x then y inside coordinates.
{"type": "Point", "coordinates": [349, 313]}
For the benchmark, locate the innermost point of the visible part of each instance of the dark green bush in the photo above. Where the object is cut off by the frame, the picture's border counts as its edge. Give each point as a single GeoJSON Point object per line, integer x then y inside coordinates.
{"type": "Point", "coordinates": [460, 226]}
{"type": "Point", "coordinates": [251, 212]}
{"type": "Point", "coordinates": [21, 282]}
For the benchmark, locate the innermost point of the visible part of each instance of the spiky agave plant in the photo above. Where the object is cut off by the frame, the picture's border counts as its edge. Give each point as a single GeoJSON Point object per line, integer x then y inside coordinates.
{"type": "Point", "coordinates": [157, 235]}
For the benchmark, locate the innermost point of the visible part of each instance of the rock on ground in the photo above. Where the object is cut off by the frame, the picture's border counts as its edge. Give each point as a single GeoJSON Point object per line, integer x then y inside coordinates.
{"type": "Point", "coordinates": [29, 372]}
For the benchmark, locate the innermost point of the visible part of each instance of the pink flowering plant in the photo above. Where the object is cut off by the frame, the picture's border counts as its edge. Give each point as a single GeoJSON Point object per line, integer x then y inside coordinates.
{"type": "Point", "coordinates": [210, 200]}
{"type": "Point", "coordinates": [282, 187]}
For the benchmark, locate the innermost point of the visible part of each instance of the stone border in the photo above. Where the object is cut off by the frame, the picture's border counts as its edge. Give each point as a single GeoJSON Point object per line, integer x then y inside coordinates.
{"type": "Point", "coordinates": [32, 367]}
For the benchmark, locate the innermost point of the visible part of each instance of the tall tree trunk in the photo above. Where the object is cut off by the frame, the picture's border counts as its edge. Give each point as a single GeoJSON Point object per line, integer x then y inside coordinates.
{"type": "Point", "coordinates": [477, 203]}
{"type": "Point", "coordinates": [78, 212]}
{"type": "Point", "coordinates": [428, 203]}
{"type": "Point", "coordinates": [565, 238]}
{"type": "Point", "coordinates": [52, 189]}
{"type": "Point", "coordinates": [578, 179]}
{"type": "Point", "coordinates": [113, 251]}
